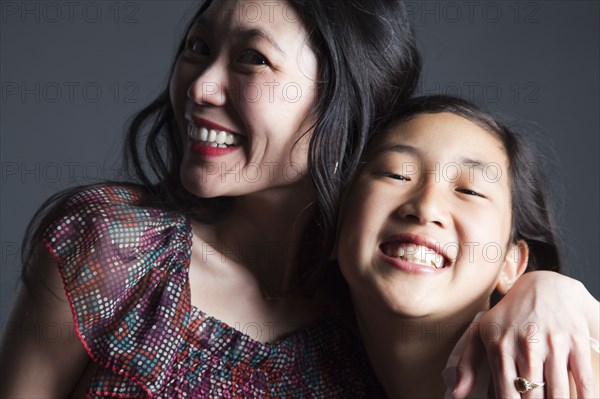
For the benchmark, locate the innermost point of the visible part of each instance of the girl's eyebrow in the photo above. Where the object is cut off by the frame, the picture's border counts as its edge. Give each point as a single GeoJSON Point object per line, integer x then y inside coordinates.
{"type": "Point", "coordinates": [408, 149]}
{"type": "Point", "coordinates": [474, 163]}
{"type": "Point", "coordinates": [401, 148]}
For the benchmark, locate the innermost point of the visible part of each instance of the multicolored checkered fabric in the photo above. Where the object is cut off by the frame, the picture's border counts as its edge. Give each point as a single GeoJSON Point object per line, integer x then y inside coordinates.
{"type": "Point", "coordinates": [125, 271]}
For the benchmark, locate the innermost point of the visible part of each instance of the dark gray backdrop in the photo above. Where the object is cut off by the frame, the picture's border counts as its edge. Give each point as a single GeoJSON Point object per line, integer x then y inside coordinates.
{"type": "Point", "coordinates": [73, 72]}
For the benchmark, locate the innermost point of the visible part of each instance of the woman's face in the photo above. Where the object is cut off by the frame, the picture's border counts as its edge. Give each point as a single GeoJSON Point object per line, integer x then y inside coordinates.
{"type": "Point", "coordinates": [243, 94]}
{"type": "Point", "coordinates": [426, 222]}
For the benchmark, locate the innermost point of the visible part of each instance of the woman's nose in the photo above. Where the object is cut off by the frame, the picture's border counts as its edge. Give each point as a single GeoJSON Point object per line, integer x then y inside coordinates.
{"type": "Point", "coordinates": [426, 205]}
{"type": "Point", "coordinates": [210, 87]}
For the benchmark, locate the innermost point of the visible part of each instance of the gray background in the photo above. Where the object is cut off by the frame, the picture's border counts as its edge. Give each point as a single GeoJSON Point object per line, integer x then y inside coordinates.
{"type": "Point", "coordinates": [72, 75]}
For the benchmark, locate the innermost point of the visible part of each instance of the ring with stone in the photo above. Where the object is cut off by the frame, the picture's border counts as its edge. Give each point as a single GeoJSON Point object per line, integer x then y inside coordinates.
{"type": "Point", "coordinates": [523, 385]}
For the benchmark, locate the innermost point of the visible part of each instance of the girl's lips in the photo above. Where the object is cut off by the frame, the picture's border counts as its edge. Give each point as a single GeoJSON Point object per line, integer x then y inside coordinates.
{"type": "Point", "coordinates": [415, 253]}
{"type": "Point", "coordinates": [409, 267]}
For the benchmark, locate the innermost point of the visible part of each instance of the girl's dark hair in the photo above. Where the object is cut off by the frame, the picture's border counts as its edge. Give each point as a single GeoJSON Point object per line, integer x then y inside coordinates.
{"type": "Point", "coordinates": [369, 63]}
{"type": "Point", "coordinates": [532, 217]}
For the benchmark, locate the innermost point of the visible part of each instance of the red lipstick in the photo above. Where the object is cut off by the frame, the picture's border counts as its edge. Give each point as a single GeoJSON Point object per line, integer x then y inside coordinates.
{"type": "Point", "coordinates": [210, 151]}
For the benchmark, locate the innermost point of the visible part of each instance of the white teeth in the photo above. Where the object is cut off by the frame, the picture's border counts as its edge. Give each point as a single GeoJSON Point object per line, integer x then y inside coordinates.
{"type": "Point", "coordinates": [212, 135]}
{"type": "Point", "coordinates": [416, 254]}
{"type": "Point", "coordinates": [203, 134]}
{"type": "Point", "coordinates": [220, 138]}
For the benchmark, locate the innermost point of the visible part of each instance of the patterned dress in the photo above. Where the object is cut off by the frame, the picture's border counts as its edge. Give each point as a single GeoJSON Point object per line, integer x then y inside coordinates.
{"type": "Point", "coordinates": [125, 272]}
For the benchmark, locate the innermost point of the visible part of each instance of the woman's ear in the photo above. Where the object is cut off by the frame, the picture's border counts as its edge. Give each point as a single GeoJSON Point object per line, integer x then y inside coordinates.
{"type": "Point", "coordinates": [514, 266]}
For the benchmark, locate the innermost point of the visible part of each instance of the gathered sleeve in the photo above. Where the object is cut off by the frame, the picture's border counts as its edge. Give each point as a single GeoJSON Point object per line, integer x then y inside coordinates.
{"type": "Point", "coordinates": [125, 272]}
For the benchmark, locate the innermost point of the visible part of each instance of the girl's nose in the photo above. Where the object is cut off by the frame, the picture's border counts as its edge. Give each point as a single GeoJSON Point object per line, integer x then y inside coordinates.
{"type": "Point", "coordinates": [426, 205]}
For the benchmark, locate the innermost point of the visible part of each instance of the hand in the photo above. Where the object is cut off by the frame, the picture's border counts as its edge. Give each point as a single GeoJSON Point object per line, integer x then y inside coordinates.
{"type": "Point", "coordinates": [540, 331]}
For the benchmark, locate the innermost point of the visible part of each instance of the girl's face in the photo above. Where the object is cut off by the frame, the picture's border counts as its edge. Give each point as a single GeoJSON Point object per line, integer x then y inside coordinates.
{"type": "Point", "coordinates": [426, 223]}
{"type": "Point", "coordinates": [243, 91]}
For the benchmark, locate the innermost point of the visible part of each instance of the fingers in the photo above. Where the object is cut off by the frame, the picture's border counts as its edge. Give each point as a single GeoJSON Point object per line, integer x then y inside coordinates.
{"type": "Point", "coordinates": [555, 369]}
{"type": "Point", "coordinates": [580, 363]}
{"type": "Point", "coordinates": [504, 373]}
{"type": "Point", "coordinates": [531, 367]}
{"type": "Point", "coordinates": [469, 363]}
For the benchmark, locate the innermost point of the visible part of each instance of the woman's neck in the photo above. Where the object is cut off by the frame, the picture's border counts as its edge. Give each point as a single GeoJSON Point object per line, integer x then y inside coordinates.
{"type": "Point", "coordinates": [409, 354]}
{"type": "Point", "coordinates": [265, 230]}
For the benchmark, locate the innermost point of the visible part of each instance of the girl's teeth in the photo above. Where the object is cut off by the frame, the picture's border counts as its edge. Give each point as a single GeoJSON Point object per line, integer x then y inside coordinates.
{"type": "Point", "coordinates": [229, 139]}
{"type": "Point", "coordinates": [416, 254]}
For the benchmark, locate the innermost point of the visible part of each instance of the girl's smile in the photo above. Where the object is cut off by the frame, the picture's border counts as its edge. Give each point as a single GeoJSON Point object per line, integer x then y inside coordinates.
{"type": "Point", "coordinates": [424, 230]}
{"type": "Point", "coordinates": [415, 253]}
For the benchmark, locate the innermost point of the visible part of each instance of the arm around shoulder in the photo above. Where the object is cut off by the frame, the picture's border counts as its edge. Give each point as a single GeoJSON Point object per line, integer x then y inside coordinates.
{"type": "Point", "coordinates": [41, 354]}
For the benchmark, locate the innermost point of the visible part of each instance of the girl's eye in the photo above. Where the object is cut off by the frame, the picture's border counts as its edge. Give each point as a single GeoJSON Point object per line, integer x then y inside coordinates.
{"type": "Point", "coordinates": [197, 46]}
{"type": "Point", "coordinates": [252, 57]}
{"type": "Point", "coordinates": [396, 176]}
{"type": "Point", "coordinates": [469, 192]}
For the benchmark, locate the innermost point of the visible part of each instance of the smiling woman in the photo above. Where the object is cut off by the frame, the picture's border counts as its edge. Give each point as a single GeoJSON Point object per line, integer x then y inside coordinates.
{"type": "Point", "coordinates": [200, 275]}
{"type": "Point", "coordinates": [165, 279]}
{"type": "Point", "coordinates": [217, 89]}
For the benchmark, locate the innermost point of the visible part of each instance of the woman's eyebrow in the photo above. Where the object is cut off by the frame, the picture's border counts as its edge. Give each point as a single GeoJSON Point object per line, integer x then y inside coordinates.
{"type": "Point", "coordinates": [201, 20]}
{"type": "Point", "coordinates": [255, 32]}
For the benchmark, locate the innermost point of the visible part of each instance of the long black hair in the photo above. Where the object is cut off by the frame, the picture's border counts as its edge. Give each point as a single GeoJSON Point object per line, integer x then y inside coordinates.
{"type": "Point", "coordinates": [368, 64]}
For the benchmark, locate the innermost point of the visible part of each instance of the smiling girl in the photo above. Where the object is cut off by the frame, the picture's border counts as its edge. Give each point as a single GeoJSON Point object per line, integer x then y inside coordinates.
{"type": "Point", "coordinates": [445, 211]}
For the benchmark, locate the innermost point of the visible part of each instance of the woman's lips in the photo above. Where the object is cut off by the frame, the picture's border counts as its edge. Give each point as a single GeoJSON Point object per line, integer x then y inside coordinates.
{"type": "Point", "coordinates": [209, 142]}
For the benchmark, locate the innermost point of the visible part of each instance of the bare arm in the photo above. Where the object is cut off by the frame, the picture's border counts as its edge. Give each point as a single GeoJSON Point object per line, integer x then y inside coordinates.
{"type": "Point", "coordinates": [40, 352]}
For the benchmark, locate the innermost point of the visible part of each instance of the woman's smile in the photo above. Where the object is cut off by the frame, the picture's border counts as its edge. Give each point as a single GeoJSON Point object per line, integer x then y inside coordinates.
{"type": "Point", "coordinates": [243, 94]}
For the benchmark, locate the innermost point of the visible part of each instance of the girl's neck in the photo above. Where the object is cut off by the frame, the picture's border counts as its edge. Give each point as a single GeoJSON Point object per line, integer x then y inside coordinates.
{"type": "Point", "coordinates": [409, 354]}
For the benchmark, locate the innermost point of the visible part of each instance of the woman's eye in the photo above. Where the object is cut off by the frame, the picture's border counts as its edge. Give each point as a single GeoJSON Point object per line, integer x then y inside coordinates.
{"type": "Point", "coordinates": [197, 46]}
{"type": "Point", "coordinates": [396, 176]}
{"type": "Point", "coordinates": [469, 192]}
{"type": "Point", "coordinates": [252, 57]}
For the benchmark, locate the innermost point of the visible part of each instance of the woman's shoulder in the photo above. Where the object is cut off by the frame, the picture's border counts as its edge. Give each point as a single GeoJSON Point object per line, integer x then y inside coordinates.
{"type": "Point", "coordinates": [124, 266]}
{"type": "Point", "coordinates": [102, 196]}
{"type": "Point", "coordinates": [109, 215]}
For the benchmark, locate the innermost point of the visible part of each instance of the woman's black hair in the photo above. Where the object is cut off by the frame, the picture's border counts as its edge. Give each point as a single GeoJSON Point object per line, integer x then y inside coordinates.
{"type": "Point", "coordinates": [532, 217]}
{"type": "Point", "coordinates": [368, 64]}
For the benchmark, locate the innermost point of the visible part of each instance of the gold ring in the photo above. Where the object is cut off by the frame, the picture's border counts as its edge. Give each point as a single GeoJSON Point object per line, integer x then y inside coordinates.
{"type": "Point", "coordinates": [524, 385]}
